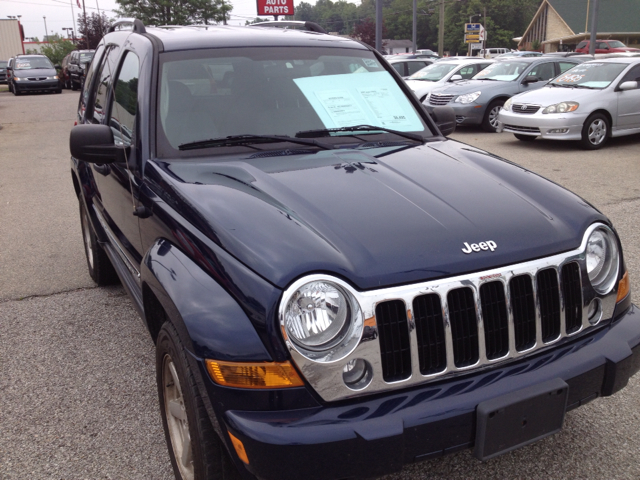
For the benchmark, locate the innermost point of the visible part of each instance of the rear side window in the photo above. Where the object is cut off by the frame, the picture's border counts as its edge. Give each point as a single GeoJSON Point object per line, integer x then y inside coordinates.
{"type": "Point", "coordinates": [399, 67]}
{"type": "Point", "coordinates": [415, 66]}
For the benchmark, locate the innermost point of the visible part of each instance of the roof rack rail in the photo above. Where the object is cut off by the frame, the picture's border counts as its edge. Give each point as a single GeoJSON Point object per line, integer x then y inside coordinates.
{"type": "Point", "coordinates": [310, 26]}
{"type": "Point", "coordinates": [135, 25]}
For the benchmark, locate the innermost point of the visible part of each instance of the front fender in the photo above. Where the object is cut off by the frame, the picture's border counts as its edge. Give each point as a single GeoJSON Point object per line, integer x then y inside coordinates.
{"type": "Point", "coordinates": [209, 321]}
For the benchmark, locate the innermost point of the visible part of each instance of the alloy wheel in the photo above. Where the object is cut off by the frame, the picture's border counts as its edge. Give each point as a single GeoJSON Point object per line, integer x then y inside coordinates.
{"type": "Point", "coordinates": [597, 131]}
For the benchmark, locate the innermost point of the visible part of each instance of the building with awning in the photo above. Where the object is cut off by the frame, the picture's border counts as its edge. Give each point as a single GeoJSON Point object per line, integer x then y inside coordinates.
{"type": "Point", "coordinates": [559, 25]}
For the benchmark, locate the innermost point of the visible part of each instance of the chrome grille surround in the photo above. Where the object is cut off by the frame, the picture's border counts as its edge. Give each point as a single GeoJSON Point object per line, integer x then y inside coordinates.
{"type": "Point", "coordinates": [326, 377]}
{"type": "Point", "coordinates": [438, 99]}
{"type": "Point", "coordinates": [524, 108]}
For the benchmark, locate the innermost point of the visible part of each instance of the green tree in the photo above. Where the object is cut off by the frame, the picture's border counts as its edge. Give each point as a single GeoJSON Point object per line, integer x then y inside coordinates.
{"type": "Point", "coordinates": [57, 50]}
{"type": "Point", "coordinates": [92, 29]}
{"type": "Point", "coordinates": [180, 12]}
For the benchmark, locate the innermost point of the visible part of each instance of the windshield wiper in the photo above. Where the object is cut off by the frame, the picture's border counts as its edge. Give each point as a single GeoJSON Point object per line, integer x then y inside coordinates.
{"type": "Point", "coordinates": [326, 132]}
{"type": "Point", "coordinates": [585, 86]}
{"type": "Point", "coordinates": [239, 140]}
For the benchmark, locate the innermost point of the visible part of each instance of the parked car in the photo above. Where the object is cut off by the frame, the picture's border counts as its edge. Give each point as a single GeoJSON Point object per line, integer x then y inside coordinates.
{"type": "Point", "coordinates": [605, 46]}
{"type": "Point", "coordinates": [589, 103]}
{"type": "Point", "coordinates": [334, 289]}
{"type": "Point", "coordinates": [492, 52]}
{"type": "Point", "coordinates": [65, 78]}
{"type": "Point", "coordinates": [522, 53]}
{"type": "Point", "coordinates": [479, 100]}
{"type": "Point", "coordinates": [408, 66]}
{"type": "Point", "coordinates": [77, 66]}
{"type": "Point", "coordinates": [440, 73]}
{"type": "Point", "coordinates": [3, 71]}
{"type": "Point", "coordinates": [33, 73]}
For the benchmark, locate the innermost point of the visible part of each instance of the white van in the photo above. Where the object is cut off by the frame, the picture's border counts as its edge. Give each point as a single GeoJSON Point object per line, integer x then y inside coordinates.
{"type": "Point", "coordinates": [493, 52]}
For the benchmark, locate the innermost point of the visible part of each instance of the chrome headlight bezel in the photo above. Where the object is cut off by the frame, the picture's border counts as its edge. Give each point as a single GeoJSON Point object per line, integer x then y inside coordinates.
{"type": "Point", "coordinates": [468, 97]}
{"type": "Point", "coordinates": [343, 342]}
{"type": "Point", "coordinates": [562, 107]}
{"type": "Point", "coordinates": [603, 275]}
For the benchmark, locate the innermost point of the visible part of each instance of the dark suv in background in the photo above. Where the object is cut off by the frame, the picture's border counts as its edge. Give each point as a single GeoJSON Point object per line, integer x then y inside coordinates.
{"type": "Point", "coordinates": [3, 71]}
{"type": "Point", "coordinates": [76, 67]}
{"type": "Point", "coordinates": [334, 288]}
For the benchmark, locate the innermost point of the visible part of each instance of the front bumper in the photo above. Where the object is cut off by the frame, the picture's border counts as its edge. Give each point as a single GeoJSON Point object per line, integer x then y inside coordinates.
{"type": "Point", "coordinates": [468, 114]}
{"type": "Point", "coordinates": [553, 127]}
{"type": "Point", "coordinates": [37, 85]}
{"type": "Point", "coordinates": [375, 436]}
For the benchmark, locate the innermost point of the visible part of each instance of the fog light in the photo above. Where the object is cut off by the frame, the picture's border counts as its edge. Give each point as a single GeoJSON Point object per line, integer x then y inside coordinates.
{"type": "Point", "coordinates": [595, 311]}
{"type": "Point", "coordinates": [558, 130]}
{"type": "Point", "coordinates": [357, 374]}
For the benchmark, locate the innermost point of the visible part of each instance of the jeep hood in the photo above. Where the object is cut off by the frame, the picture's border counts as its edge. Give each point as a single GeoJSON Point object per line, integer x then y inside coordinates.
{"type": "Point", "coordinates": [376, 217]}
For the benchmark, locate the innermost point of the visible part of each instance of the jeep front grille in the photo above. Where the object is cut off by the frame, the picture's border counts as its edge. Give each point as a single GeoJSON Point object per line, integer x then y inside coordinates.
{"type": "Point", "coordinates": [514, 316]}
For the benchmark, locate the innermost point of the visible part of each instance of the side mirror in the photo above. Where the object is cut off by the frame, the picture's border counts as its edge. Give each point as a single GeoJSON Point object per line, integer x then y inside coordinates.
{"type": "Point", "coordinates": [530, 79]}
{"type": "Point", "coordinates": [94, 144]}
{"type": "Point", "coordinates": [445, 118]}
{"type": "Point", "coordinates": [628, 86]}
{"type": "Point", "coordinates": [57, 67]}
{"type": "Point", "coordinates": [455, 78]}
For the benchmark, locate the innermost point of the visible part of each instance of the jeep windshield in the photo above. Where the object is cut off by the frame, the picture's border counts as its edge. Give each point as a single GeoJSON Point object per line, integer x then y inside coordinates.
{"type": "Point", "coordinates": [280, 91]}
{"type": "Point", "coordinates": [590, 75]}
{"type": "Point", "coordinates": [504, 71]}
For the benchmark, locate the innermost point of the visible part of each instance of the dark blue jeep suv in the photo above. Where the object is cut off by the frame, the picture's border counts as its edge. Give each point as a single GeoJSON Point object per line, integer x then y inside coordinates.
{"type": "Point", "coordinates": [334, 288]}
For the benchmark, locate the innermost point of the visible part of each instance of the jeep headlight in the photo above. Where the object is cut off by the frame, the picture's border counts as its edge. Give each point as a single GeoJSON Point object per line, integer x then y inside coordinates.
{"type": "Point", "coordinates": [602, 260]}
{"type": "Point", "coordinates": [321, 319]}
{"type": "Point", "coordinates": [467, 98]}
{"type": "Point", "coordinates": [562, 107]}
{"type": "Point", "coordinates": [507, 104]}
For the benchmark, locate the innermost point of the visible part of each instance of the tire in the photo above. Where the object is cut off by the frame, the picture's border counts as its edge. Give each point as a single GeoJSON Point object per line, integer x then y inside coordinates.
{"type": "Point", "coordinates": [16, 92]}
{"type": "Point", "coordinates": [10, 87]}
{"type": "Point", "coordinates": [595, 132]}
{"type": "Point", "coordinates": [195, 449]}
{"type": "Point", "coordinates": [73, 85]}
{"type": "Point", "coordinates": [100, 268]}
{"type": "Point", "coordinates": [59, 90]}
{"type": "Point", "coordinates": [524, 138]}
{"type": "Point", "coordinates": [490, 120]}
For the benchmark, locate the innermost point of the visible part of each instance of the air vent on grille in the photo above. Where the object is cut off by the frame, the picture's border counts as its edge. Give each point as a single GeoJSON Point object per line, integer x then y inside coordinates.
{"type": "Point", "coordinates": [524, 311]}
{"type": "Point", "coordinates": [464, 326]}
{"type": "Point", "coordinates": [432, 353]}
{"type": "Point", "coordinates": [495, 319]}
{"type": "Point", "coordinates": [549, 299]}
{"type": "Point", "coordinates": [572, 296]}
{"type": "Point", "coordinates": [394, 340]}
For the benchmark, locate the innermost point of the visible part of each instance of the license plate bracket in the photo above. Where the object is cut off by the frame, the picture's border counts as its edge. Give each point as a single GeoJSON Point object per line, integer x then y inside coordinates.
{"type": "Point", "coordinates": [520, 418]}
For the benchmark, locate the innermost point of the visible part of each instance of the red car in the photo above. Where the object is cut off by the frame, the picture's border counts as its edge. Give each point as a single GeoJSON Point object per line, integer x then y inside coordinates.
{"type": "Point", "coordinates": [605, 46]}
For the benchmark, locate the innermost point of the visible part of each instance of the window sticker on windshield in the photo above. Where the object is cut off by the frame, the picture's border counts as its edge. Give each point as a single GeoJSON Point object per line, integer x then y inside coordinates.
{"type": "Point", "coordinates": [23, 65]}
{"type": "Point", "coordinates": [570, 78]}
{"type": "Point", "coordinates": [372, 99]}
{"type": "Point", "coordinates": [371, 63]}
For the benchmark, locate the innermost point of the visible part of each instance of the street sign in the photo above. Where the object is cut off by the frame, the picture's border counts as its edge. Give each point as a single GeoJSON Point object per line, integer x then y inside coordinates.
{"type": "Point", "coordinates": [472, 38]}
{"type": "Point", "coordinates": [275, 7]}
{"type": "Point", "coordinates": [472, 27]}
{"type": "Point", "coordinates": [476, 46]}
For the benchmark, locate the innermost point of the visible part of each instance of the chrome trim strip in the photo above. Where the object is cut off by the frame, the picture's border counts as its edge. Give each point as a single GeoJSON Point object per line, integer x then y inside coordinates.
{"type": "Point", "coordinates": [325, 374]}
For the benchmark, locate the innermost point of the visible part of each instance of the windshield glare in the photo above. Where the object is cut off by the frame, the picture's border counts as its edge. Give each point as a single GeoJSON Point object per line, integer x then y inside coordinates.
{"type": "Point", "coordinates": [27, 63]}
{"type": "Point", "coordinates": [433, 73]}
{"type": "Point", "coordinates": [277, 91]}
{"type": "Point", "coordinates": [593, 75]}
{"type": "Point", "coordinates": [502, 71]}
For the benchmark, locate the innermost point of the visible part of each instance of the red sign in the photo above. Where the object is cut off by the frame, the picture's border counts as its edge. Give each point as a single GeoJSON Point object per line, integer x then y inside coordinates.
{"type": "Point", "coordinates": [275, 7]}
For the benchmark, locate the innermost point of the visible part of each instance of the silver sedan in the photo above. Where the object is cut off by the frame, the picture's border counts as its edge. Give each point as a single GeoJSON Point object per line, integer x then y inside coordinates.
{"type": "Point", "coordinates": [589, 103]}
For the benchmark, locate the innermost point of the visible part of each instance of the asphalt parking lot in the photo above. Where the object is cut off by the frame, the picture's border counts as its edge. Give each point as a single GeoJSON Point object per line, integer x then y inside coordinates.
{"type": "Point", "coordinates": [77, 381]}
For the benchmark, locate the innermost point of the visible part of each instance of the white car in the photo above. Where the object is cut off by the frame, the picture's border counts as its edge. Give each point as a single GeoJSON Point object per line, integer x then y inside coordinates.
{"type": "Point", "coordinates": [590, 103]}
{"type": "Point", "coordinates": [443, 71]}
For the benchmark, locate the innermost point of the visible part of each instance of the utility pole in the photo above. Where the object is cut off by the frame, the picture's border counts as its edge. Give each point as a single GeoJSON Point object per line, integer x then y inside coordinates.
{"type": "Point", "coordinates": [594, 28]}
{"type": "Point", "coordinates": [45, 29]}
{"type": "Point", "coordinates": [415, 25]}
{"type": "Point", "coordinates": [441, 30]}
{"type": "Point", "coordinates": [379, 25]}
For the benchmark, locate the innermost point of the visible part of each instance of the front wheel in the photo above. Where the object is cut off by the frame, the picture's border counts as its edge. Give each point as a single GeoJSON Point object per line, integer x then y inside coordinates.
{"type": "Point", "coordinates": [195, 449]}
{"type": "Point", "coordinates": [524, 138]}
{"type": "Point", "coordinates": [490, 120]}
{"type": "Point", "coordinates": [73, 85]}
{"type": "Point", "coordinates": [595, 132]}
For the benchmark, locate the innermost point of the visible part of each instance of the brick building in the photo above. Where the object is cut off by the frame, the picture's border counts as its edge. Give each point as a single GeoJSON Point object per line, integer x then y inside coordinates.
{"type": "Point", "coordinates": [559, 25]}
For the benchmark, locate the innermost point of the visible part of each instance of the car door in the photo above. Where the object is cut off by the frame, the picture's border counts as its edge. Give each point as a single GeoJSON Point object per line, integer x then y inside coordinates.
{"type": "Point", "coordinates": [115, 104]}
{"type": "Point", "coordinates": [629, 102]}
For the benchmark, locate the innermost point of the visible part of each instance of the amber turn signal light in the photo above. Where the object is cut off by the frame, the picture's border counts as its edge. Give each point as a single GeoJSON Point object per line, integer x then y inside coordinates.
{"type": "Point", "coordinates": [237, 444]}
{"type": "Point", "coordinates": [253, 375]}
{"type": "Point", "coordinates": [624, 287]}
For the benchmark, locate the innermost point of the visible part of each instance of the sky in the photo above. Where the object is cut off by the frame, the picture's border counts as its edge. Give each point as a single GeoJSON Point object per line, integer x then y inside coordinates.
{"type": "Point", "coordinates": [59, 14]}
